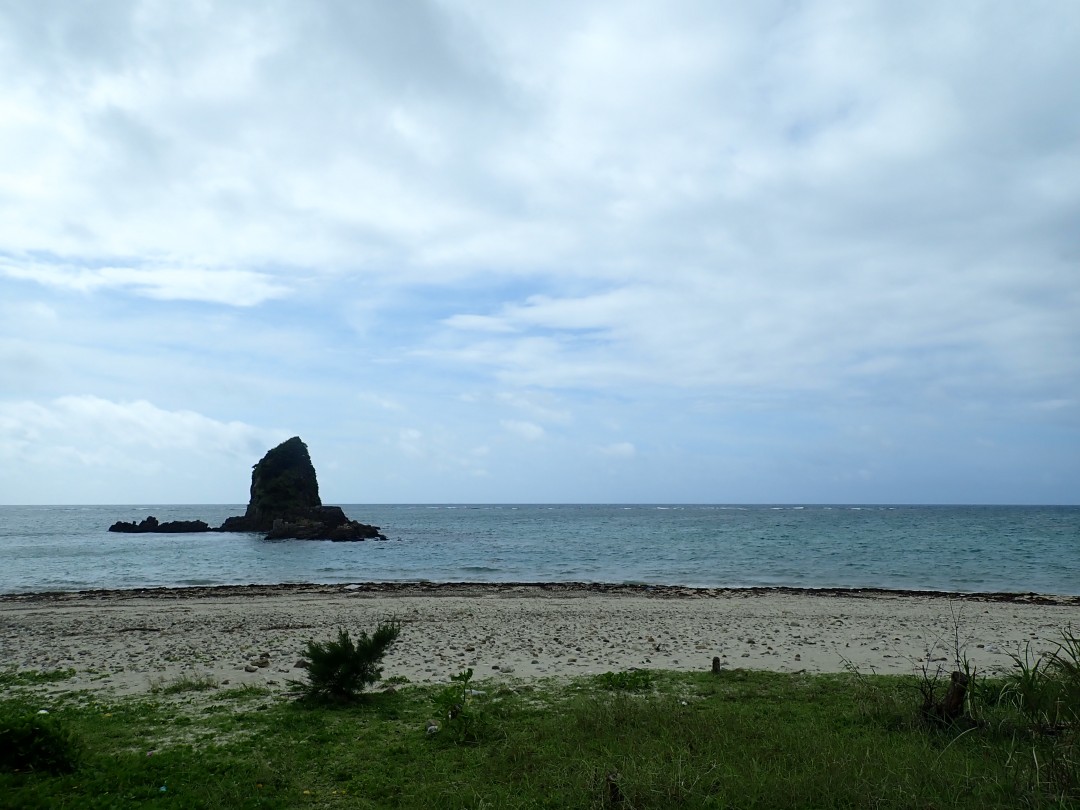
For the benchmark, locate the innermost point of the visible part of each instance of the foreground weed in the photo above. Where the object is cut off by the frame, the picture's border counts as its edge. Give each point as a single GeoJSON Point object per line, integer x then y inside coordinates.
{"type": "Point", "coordinates": [1026, 685]}
{"type": "Point", "coordinates": [1046, 688]}
{"type": "Point", "coordinates": [630, 680]}
{"type": "Point", "coordinates": [13, 677]}
{"type": "Point", "coordinates": [246, 691]}
{"type": "Point", "coordinates": [184, 683]}
{"type": "Point", "coordinates": [462, 716]}
{"type": "Point", "coordinates": [1065, 668]}
{"type": "Point", "coordinates": [962, 696]}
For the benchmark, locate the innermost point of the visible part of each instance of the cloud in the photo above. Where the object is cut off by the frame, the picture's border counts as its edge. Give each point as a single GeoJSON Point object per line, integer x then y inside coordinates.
{"type": "Point", "coordinates": [233, 287]}
{"type": "Point", "coordinates": [530, 431]}
{"type": "Point", "coordinates": [619, 450]}
{"type": "Point", "coordinates": [410, 442]}
{"type": "Point", "coordinates": [96, 428]}
{"type": "Point", "coordinates": [703, 225]}
{"type": "Point", "coordinates": [828, 330]}
{"type": "Point", "coordinates": [478, 323]}
{"type": "Point", "coordinates": [384, 403]}
{"type": "Point", "coordinates": [541, 405]}
{"type": "Point", "coordinates": [97, 450]}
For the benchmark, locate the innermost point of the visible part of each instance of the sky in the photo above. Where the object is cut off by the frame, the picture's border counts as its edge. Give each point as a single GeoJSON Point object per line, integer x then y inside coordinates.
{"type": "Point", "coordinates": [493, 252]}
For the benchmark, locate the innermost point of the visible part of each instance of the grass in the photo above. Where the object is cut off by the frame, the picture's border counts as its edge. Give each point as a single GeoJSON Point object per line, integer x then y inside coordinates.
{"type": "Point", "coordinates": [740, 739]}
{"type": "Point", "coordinates": [183, 683]}
{"type": "Point", "coordinates": [1047, 688]}
{"type": "Point", "coordinates": [631, 680]}
{"type": "Point", "coordinates": [11, 677]}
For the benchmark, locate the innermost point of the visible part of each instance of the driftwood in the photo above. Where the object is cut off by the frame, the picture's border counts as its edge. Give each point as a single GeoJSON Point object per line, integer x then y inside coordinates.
{"type": "Point", "coordinates": [950, 708]}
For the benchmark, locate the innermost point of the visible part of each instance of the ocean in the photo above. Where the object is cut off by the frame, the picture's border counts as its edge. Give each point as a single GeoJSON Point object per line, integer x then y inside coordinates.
{"type": "Point", "coordinates": [964, 549]}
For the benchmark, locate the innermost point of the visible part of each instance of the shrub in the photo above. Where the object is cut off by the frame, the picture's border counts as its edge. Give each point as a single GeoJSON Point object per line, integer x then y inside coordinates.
{"type": "Point", "coordinates": [339, 670]}
{"type": "Point", "coordinates": [1065, 668]}
{"type": "Point", "coordinates": [14, 677]}
{"type": "Point", "coordinates": [35, 742]}
{"type": "Point", "coordinates": [1047, 688]}
{"type": "Point", "coordinates": [630, 680]}
{"type": "Point", "coordinates": [465, 721]}
{"type": "Point", "coordinates": [183, 683]}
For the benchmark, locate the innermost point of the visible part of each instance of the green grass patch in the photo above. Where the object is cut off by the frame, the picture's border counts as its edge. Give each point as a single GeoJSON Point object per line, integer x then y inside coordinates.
{"type": "Point", "coordinates": [630, 680]}
{"type": "Point", "coordinates": [184, 683]}
{"type": "Point", "coordinates": [246, 692]}
{"type": "Point", "coordinates": [739, 739]}
{"type": "Point", "coordinates": [13, 677]}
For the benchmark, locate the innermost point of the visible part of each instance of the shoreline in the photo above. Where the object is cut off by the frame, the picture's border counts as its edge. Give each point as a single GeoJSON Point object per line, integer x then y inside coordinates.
{"type": "Point", "coordinates": [131, 641]}
{"type": "Point", "coordinates": [429, 588]}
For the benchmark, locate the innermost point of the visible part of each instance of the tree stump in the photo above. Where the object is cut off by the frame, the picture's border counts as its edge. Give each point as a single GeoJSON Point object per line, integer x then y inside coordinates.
{"type": "Point", "coordinates": [950, 708]}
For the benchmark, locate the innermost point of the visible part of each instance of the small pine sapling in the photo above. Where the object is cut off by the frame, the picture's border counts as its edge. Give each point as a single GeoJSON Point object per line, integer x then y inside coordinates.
{"type": "Point", "coordinates": [340, 670]}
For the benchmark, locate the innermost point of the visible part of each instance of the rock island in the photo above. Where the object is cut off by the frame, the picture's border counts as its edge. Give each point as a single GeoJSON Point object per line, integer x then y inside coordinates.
{"type": "Point", "coordinates": [284, 503]}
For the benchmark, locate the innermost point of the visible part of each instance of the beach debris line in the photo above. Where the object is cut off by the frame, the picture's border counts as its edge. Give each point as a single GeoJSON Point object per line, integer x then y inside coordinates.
{"type": "Point", "coordinates": [284, 503]}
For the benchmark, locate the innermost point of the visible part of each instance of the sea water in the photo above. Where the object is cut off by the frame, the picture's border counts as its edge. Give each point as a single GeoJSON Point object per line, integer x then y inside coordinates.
{"type": "Point", "coordinates": [943, 548]}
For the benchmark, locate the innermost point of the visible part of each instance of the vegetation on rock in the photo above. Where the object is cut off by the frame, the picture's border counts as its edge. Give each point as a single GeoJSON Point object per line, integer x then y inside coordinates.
{"type": "Point", "coordinates": [283, 481]}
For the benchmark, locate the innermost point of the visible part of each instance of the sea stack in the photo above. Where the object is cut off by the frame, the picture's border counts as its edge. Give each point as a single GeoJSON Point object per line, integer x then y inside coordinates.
{"type": "Point", "coordinates": [282, 483]}
{"type": "Point", "coordinates": [285, 501]}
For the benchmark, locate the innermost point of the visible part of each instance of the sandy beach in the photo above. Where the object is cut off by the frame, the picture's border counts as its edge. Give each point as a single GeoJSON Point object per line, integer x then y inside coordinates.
{"type": "Point", "coordinates": [126, 642]}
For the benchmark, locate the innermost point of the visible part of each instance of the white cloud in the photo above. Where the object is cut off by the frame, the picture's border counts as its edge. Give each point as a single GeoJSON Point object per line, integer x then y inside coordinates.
{"type": "Point", "coordinates": [96, 428]}
{"type": "Point", "coordinates": [1055, 405]}
{"type": "Point", "coordinates": [478, 323]}
{"type": "Point", "coordinates": [410, 442]}
{"type": "Point", "coordinates": [619, 450]}
{"type": "Point", "coordinates": [541, 405]}
{"type": "Point", "coordinates": [530, 431]}
{"type": "Point", "coordinates": [94, 449]}
{"type": "Point", "coordinates": [828, 330]}
{"type": "Point", "coordinates": [384, 403]}
{"type": "Point", "coordinates": [575, 215]}
{"type": "Point", "coordinates": [234, 287]}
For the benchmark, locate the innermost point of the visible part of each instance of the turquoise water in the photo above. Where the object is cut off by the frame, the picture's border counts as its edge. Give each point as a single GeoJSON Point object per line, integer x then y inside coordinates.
{"type": "Point", "coordinates": [963, 548]}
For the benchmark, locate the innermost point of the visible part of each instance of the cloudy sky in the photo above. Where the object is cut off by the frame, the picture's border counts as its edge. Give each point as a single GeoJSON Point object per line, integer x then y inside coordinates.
{"type": "Point", "coordinates": [541, 252]}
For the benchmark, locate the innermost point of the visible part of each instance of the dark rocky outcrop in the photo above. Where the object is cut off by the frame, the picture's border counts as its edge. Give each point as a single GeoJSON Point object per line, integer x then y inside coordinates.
{"type": "Point", "coordinates": [284, 504]}
{"type": "Point", "coordinates": [151, 524]}
{"type": "Point", "coordinates": [283, 484]}
{"type": "Point", "coordinates": [322, 523]}
{"type": "Point", "coordinates": [285, 501]}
